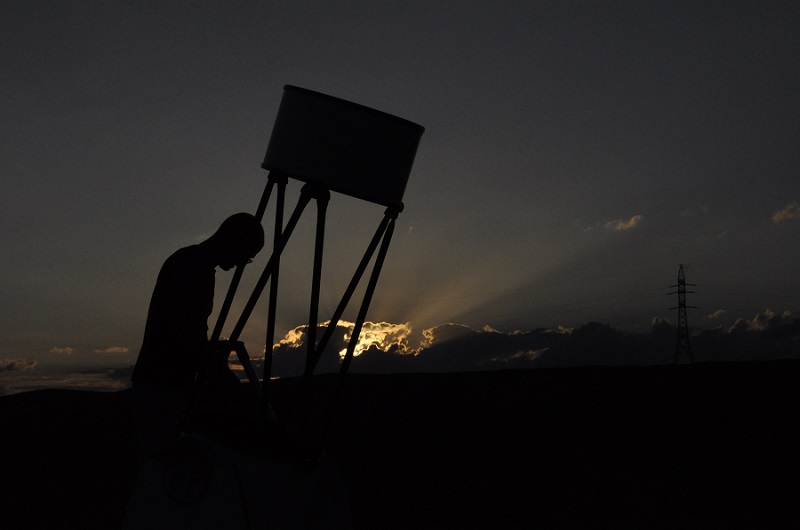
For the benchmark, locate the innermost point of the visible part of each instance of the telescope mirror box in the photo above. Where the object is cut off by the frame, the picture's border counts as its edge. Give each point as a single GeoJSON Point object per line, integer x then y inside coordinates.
{"type": "Point", "coordinates": [346, 147]}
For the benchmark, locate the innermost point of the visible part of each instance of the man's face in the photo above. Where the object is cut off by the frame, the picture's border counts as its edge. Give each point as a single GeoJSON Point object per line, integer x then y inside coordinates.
{"type": "Point", "coordinates": [236, 255]}
{"type": "Point", "coordinates": [234, 260]}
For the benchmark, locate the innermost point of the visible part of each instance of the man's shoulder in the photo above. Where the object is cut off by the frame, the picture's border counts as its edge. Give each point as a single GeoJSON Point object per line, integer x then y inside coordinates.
{"type": "Point", "coordinates": [192, 252]}
{"type": "Point", "coordinates": [190, 256]}
{"type": "Point", "coordinates": [188, 262]}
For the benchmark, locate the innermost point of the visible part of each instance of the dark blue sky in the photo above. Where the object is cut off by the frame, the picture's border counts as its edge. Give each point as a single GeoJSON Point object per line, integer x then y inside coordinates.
{"type": "Point", "coordinates": [575, 154]}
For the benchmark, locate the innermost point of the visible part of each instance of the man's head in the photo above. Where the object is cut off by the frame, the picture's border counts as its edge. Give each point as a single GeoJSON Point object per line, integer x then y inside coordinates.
{"type": "Point", "coordinates": [238, 239]}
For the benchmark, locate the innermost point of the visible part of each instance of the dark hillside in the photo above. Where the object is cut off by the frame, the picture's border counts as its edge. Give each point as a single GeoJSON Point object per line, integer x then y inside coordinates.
{"type": "Point", "coordinates": [667, 446]}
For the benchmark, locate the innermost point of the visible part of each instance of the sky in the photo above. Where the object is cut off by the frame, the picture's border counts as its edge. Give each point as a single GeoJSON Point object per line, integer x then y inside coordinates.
{"type": "Point", "coordinates": [574, 155]}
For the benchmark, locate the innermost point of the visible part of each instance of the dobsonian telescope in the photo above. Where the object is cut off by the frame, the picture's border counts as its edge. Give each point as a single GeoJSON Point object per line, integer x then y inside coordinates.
{"type": "Point", "coordinates": [330, 145]}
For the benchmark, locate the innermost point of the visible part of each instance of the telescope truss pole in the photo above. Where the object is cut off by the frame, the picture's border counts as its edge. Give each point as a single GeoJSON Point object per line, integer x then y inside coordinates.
{"type": "Point", "coordinates": [237, 275]}
{"type": "Point", "coordinates": [315, 349]}
{"type": "Point", "coordinates": [273, 295]}
{"type": "Point", "coordinates": [316, 281]}
{"type": "Point", "coordinates": [370, 291]}
{"type": "Point", "coordinates": [214, 344]}
{"type": "Point", "coordinates": [306, 194]}
{"type": "Point", "coordinates": [348, 294]}
{"type": "Point", "coordinates": [384, 236]}
{"type": "Point", "coordinates": [215, 348]}
{"type": "Point", "coordinates": [323, 198]}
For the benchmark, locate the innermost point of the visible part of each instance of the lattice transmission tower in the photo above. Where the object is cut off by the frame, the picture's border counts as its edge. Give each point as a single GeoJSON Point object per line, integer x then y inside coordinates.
{"type": "Point", "coordinates": [682, 345]}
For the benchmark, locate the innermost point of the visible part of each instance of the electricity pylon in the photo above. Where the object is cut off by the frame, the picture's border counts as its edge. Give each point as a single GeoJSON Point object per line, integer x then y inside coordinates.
{"type": "Point", "coordinates": [682, 345]}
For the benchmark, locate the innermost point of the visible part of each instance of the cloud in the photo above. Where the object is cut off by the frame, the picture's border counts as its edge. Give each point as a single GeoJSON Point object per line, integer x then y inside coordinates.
{"type": "Point", "coordinates": [624, 224]}
{"type": "Point", "coordinates": [453, 347]}
{"type": "Point", "coordinates": [770, 323]}
{"type": "Point", "coordinates": [767, 336]}
{"type": "Point", "coordinates": [294, 337]}
{"type": "Point", "coordinates": [382, 335]}
{"type": "Point", "coordinates": [113, 374]}
{"type": "Point", "coordinates": [790, 211]}
{"type": "Point", "coordinates": [14, 365]}
{"type": "Point", "coordinates": [112, 349]}
{"type": "Point", "coordinates": [719, 313]}
{"type": "Point", "coordinates": [384, 347]}
{"type": "Point", "coordinates": [63, 351]}
{"type": "Point", "coordinates": [108, 379]}
{"type": "Point", "coordinates": [290, 352]}
{"type": "Point", "coordinates": [449, 332]}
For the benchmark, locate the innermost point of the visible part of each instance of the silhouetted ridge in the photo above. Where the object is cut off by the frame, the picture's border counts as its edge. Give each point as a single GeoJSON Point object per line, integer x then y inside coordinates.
{"type": "Point", "coordinates": [645, 447]}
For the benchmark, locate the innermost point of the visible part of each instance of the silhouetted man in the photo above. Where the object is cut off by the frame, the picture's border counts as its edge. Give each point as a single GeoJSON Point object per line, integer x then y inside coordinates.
{"type": "Point", "coordinates": [176, 333]}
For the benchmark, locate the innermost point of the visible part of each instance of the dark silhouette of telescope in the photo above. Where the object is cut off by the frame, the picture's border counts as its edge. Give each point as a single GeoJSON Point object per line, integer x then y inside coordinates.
{"type": "Point", "coordinates": [331, 145]}
{"type": "Point", "coordinates": [345, 147]}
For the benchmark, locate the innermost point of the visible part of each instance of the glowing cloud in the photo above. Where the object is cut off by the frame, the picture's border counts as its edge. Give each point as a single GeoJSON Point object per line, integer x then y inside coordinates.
{"type": "Point", "coordinates": [451, 347]}
{"type": "Point", "coordinates": [448, 332]}
{"type": "Point", "coordinates": [384, 336]}
{"type": "Point", "coordinates": [63, 351]}
{"type": "Point", "coordinates": [790, 211]}
{"type": "Point", "coordinates": [769, 322]}
{"type": "Point", "coordinates": [14, 365]}
{"type": "Point", "coordinates": [293, 338]}
{"type": "Point", "coordinates": [624, 224]}
{"type": "Point", "coordinates": [112, 349]}
{"type": "Point", "coordinates": [719, 313]}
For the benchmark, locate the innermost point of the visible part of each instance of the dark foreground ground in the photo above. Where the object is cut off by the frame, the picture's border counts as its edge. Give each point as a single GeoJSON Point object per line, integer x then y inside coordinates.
{"type": "Point", "coordinates": [702, 446]}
